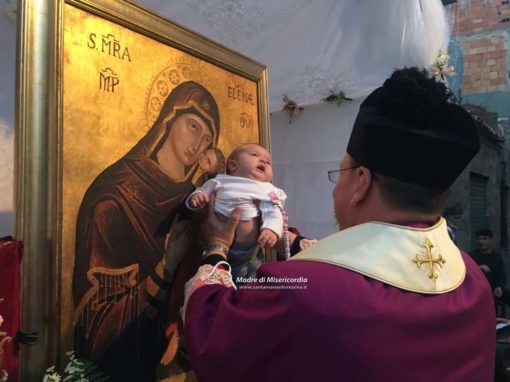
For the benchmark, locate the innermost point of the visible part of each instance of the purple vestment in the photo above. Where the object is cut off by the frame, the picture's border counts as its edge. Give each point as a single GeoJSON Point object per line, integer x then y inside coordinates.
{"type": "Point", "coordinates": [343, 327]}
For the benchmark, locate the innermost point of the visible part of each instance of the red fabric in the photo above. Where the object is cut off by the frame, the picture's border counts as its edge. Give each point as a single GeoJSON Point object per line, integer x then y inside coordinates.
{"type": "Point", "coordinates": [295, 231]}
{"type": "Point", "coordinates": [10, 289]}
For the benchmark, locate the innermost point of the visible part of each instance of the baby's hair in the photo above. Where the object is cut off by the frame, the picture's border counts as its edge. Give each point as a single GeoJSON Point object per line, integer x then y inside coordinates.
{"type": "Point", "coordinates": [235, 153]}
{"type": "Point", "coordinates": [220, 169]}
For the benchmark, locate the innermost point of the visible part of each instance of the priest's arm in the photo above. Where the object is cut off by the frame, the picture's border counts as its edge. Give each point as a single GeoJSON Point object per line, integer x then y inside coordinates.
{"type": "Point", "coordinates": [232, 334]}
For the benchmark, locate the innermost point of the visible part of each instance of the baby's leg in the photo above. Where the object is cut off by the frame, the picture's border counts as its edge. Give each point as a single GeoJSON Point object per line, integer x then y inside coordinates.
{"type": "Point", "coordinates": [244, 261]}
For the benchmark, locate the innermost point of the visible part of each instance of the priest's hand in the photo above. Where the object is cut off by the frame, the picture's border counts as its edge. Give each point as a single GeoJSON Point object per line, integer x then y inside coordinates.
{"type": "Point", "coordinates": [178, 244]}
{"type": "Point", "coordinates": [498, 292]}
{"type": "Point", "coordinates": [216, 230]}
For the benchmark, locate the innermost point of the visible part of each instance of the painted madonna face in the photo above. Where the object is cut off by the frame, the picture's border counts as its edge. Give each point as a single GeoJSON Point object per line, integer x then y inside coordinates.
{"type": "Point", "coordinates": [189, 137]}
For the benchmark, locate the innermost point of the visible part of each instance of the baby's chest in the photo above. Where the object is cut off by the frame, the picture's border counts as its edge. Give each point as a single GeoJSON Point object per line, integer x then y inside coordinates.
{"type": "Point", "coordinates": [238, 195]}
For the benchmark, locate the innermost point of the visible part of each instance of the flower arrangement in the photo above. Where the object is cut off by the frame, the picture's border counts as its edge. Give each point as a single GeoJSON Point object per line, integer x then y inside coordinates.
{"type": "Point", "coordinates": [440, 67]}
{"type": "Point", "coordinates": [291, 108]}
{"type": "Point", "coordinates": [76, 370]}
{"type": "Point", "coordinates": [339, 98]}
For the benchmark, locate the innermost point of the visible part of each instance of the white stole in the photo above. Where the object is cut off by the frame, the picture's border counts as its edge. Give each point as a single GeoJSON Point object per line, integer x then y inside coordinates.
{"type": "Point", "coordinates": [423, 260]}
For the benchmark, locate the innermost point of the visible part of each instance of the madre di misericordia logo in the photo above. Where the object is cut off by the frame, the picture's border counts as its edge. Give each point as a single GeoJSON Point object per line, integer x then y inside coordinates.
{"type": "Point", "coordinates": [272, 279]}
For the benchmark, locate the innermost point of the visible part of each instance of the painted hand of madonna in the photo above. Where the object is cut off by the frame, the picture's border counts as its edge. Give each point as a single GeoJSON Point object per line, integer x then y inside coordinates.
{"type": "Point", "coordinates": [178, 244]}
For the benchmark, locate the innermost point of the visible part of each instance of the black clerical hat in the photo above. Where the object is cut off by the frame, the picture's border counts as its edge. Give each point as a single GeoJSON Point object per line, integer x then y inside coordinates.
{"type": "Point", "coordinates": [407, 130]}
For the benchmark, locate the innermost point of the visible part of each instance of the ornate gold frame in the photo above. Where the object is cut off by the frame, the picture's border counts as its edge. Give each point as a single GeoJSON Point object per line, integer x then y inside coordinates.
{"type": "Point", "coordinates": [39, 147]}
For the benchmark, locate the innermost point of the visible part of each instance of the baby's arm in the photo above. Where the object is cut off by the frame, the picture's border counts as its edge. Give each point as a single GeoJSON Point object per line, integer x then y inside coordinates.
{"type": "Point", "coordinates": [267, 238]}
{"type": "Point", "coordinates": [272, 219]}
{"type": "Point", "coordinates": [200, 197]}
{"type": "Point", "coordinates": [198, 200]}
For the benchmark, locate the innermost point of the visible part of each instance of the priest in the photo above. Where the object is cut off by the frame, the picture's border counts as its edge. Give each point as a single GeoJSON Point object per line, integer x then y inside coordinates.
{"type": "Point", "coordinates": [389, 297]}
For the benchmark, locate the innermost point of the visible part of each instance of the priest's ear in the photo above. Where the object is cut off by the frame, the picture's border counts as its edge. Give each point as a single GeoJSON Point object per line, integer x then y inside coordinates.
{"type": "Point", "coordinates": [231, 166]}
{"type": "Point", "coordinates": [363, 179]}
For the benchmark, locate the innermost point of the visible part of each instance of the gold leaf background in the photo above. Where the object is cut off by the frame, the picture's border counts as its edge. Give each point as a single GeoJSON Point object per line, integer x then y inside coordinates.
{"type": "Point", "coordinates": [99, 127]}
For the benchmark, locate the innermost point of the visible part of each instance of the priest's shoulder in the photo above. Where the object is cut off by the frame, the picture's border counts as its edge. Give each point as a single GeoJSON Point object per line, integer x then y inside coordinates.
{"type": "Point", "coordinates": [296, 268]}
{"type": "Point", "coordinates": [302, 274]}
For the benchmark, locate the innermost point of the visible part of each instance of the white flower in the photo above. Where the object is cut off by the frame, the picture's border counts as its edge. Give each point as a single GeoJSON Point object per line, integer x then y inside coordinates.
{"type": "Point", "coordinates": [75, 371]}
{"type": "Point", "coordinates": [51, 375]}
{"type": "Point", "coordinates": [442, 59]}
{"type": "Point", "coordinates": [71, 369]}
{"type": "Point", "coordinates": [74, 367]}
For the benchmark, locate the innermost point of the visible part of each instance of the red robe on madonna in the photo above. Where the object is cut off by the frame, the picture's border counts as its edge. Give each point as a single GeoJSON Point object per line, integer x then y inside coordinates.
{"type": "Point", "coordinates": [120, 286]}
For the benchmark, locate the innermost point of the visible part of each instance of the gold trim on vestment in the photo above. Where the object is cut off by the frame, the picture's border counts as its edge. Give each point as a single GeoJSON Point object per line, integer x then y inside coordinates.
{"type": "Point", "coordinates": [388, 253]}
{"type": "Point", "coordinates": [419, 261]}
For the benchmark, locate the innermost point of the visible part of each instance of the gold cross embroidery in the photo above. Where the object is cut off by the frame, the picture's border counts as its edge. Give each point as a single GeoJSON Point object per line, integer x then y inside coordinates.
{"type": "Point", "coordinates": [430, 260]}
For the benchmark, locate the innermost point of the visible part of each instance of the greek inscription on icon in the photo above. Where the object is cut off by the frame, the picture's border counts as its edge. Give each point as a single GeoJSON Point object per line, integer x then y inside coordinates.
{"type": "Point", "coordinates": [108, 80]}
{"type": "Point", "coordinates": [245, 120]}
{"type": "Point", "coordinates": [110, 45]}
{"type": "Point", "coordinates": [239, 94]}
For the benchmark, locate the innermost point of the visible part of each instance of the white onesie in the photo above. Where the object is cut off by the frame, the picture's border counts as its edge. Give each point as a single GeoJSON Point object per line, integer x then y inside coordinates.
{"type": "Point", "coordinates": [235, 191]}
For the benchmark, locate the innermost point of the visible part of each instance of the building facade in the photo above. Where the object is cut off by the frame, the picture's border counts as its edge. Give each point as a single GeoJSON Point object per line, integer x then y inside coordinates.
{"type": "Point", "coordinates": [479, 51]}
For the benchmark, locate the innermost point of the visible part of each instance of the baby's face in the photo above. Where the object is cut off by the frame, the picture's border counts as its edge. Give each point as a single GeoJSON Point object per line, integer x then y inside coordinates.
{"type": "Point", "coordinates": [208, 162]}
{"type": "Point", "coordinates": [254, 162]}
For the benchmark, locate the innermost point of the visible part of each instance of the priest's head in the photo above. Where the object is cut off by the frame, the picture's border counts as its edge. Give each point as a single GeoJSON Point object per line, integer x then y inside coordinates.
{"type": "Point", "coordinates": [407, 147]}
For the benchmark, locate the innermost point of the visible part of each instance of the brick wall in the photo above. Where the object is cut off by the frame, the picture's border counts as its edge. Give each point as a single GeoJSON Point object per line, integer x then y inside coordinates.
{"type": "Point", "coordinates": [479, 51]}
{"type": "Point", "coordinates": [485, 68]}
{"type": "Point", "coordinates": [479, 15]}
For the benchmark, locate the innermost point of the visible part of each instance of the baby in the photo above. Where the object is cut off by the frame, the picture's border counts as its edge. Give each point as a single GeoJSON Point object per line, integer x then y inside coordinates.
{"type": "Point", "coordinates": [246, 185]}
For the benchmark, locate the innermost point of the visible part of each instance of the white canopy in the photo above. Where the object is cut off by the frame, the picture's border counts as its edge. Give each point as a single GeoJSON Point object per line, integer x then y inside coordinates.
{"type": "Point", "coordinates": [311, 48]}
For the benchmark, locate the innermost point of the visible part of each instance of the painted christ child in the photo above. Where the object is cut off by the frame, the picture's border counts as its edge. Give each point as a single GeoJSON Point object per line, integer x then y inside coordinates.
{"type": "Point", "coordinates": [210, 163]}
